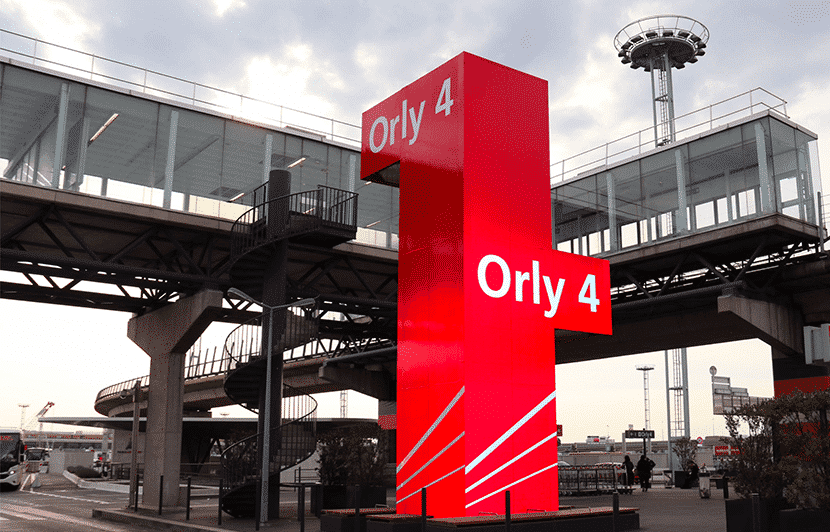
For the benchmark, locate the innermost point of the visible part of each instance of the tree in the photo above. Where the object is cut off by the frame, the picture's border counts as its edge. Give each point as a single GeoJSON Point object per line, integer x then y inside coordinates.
{"type": "Point", "coordinates": [787, 450]}
{"type": "Point", "coordinates": [686, 451]}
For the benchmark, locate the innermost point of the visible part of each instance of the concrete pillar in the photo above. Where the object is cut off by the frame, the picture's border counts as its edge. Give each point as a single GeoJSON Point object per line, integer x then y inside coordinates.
{"type": "Point", "coordinates": [166, 335]}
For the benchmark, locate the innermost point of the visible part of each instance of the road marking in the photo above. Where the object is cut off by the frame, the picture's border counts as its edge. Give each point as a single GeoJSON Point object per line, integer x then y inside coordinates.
{"type": "Point", "coordinates": [68, 497]}
{"type": "Point", "coordinates": [20, 515]}
{"type": "Point", "coordinates": [36, 514]}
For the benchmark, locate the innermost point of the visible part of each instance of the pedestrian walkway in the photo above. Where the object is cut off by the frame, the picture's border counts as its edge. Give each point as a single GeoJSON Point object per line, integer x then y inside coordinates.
{"type": "Point", "coordinates": [660, 510]}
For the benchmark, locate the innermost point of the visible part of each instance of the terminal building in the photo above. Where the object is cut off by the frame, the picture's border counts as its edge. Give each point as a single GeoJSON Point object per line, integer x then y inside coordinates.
{"type": "Point", "coordinates": [125, 188]}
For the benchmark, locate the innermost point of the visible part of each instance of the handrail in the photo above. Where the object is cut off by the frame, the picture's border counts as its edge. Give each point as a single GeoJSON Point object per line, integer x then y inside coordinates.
{"type": "Point", "coordinates": [352, 137]}
{"type": "Point", "coordinates": [607, 156]}
{"type": "Point", "coordinates": [290, 215]}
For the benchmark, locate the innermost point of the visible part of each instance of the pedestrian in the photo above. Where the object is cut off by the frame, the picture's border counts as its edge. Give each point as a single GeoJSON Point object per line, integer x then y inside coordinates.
{"type": "Point", "coordinates": [644, 467]}
{"type": "Point", "coordinates": [693, 475]}
{"type": "Point", "coordinates": [629, 471]}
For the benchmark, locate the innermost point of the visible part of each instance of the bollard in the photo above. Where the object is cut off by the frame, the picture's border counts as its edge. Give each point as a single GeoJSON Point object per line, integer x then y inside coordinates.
{"type": "Point", "coordinates": [507, 511]}
{"type": "Point", "coordinates": [357, 509]}
{"type": "Point", "coordinates": [187, 512]}
{"type": "Point", "coordinates": [725, 487]}
{"type": "Point", "coordinates": [219, 517]}
{"type": "Point", "coordinates": [301, 507]}
{"type": "Point", "coordinates": [161, 491]}
{"type": "Point", "coordinates": [258, 503]}
{"type": "Point", "coordinates": [423, 510]}
{"type": "Point", "coordinates": [616, 512]}
{"type": "Point", "coordinates": [756, 512]}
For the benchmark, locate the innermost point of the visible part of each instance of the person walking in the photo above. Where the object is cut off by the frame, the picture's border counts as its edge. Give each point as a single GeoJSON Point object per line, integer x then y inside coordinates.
{"type": "Point", "coordinates": [629, 471]}
{"type": "Point", "coordinates": [644, 467]}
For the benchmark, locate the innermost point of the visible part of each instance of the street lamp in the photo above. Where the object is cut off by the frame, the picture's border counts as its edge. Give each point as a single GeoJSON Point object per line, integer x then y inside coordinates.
{"type": "Point", "coordinates": [266, 423]}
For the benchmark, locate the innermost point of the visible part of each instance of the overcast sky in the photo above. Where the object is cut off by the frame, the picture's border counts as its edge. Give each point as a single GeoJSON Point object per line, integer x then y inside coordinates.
{"type": "Point", "coordinates": [338, 59]}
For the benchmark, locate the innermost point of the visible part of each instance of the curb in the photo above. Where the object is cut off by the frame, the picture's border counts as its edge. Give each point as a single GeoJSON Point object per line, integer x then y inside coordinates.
{"type": "Point", "coordinates": [150, 521]}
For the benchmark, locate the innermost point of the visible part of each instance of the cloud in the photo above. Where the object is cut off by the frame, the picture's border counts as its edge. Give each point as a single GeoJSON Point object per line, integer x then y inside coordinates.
{"type": "Point", "coordinates": [52, 20]}
{"type": "Point", "coordinates": [221, 7]}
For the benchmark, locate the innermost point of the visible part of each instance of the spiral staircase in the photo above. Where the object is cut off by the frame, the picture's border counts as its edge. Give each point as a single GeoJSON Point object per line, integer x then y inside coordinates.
{"type": "Point", "coordinates": [321, 217]}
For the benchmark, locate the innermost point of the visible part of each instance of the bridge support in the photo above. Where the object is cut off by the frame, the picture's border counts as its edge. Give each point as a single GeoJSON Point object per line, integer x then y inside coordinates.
{"type": "Point", "coordinates": [377, 384]}
{"type": "Point", "coordinates": [791, 373]}
{"type": "Point", "coordinates": [779, 326]}
{"type": "Point", "coordinates": [166, 335]}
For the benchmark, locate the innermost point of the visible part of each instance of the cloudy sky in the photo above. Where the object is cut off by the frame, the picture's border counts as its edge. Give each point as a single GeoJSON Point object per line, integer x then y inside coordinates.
{"type": "Point", "coordinates": [339, 58]}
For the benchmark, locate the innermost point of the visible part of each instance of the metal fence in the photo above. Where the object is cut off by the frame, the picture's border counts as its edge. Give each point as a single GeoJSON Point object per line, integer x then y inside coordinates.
{"type": "Point", "coordinates": [689, 124]}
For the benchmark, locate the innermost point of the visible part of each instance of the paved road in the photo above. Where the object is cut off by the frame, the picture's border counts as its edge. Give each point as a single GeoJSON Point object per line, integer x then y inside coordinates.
{"type": "Point", "coordinates": [59, 506]}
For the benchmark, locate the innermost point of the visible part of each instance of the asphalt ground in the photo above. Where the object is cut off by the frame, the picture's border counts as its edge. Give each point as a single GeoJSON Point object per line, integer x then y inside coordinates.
{"type": "Point", "coordinates": [60, 505]}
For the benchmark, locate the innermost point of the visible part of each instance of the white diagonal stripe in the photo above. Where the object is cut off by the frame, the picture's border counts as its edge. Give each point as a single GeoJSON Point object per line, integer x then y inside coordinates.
{"type": "Point", "coordinates": [512, 484]}
{"type": "Point", "coordinates": [442, 451]}
{"type": "Point", "coordinates": [454, 471]}
{"type": "Point", "coordinates": [431, 429]}
{"type": "Point", "coordinates": [510, 432]}
{"type": "Point", "coordinates": [511, 461]}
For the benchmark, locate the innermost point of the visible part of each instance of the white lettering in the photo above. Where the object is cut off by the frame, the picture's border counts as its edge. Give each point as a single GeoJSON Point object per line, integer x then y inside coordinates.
{"type": "Point", "coordinates": [377, 147]}
{"type": "Point", "coordinates": [392, 124]}
{"type": "Point", "coordinates": [521, 277]}
{"type": "Point", "coordinates": [588, 293]}
{"type": "Point", "coordinates": [553, 297]}
{"type": "Point", "coordinates": [416, 122]}
{"type": "Point", "coordinates": [536, 297]}
{"type": "Point", "coordinates": [403, 120]}
{"type": "Point", "coordinates": [482, 270]}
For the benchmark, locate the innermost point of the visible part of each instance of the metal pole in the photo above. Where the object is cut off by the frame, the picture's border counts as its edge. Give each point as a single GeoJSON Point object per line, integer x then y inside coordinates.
{"type": "Point", "coordinates": [266, 424]}
{"type": "Point", "coordinates": [219, 516]}
{"type": "Point", "coordinates": [668, 420]}
{"type": "Point", "coordinates": [301, 507]}
{"type": "Point", "coordinates": [357, 508]}
{"type": "Point", "coordinates": [134, 450]}
{"type": "Point", "coordinates": [161, 492]}
{"type": "Point", "coordinates": [423, 510]}
{"type": "Point", "coordinates": [507, 511]}
{"type": "Point", "coordinates": [615, 511]}
{"type": "Point", "coordinates": [187, 512]}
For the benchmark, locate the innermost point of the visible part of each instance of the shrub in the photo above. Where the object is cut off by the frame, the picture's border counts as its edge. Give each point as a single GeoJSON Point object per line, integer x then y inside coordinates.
{"type": "Point", "coordinates": [787, 450]}
{"type": "Point", "coordinates": [350, 456]}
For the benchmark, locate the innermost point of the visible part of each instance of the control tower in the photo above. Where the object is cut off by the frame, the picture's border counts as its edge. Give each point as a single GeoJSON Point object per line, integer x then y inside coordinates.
{"type": "Point", "coordinates": [657, 44]}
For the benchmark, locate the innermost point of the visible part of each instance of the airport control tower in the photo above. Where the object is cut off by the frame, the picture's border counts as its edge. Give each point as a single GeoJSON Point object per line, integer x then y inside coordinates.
{"type": "Point", "coordinates": [657, 44]}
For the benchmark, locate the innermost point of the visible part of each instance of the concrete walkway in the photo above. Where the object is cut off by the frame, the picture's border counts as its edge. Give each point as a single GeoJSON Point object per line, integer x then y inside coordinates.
{"type": "Point", "coordinates": [660, 509]}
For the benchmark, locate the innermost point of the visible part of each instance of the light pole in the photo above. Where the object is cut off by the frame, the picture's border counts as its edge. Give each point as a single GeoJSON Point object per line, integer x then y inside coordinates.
{"type": "Point", "coordinates": [266, 422]}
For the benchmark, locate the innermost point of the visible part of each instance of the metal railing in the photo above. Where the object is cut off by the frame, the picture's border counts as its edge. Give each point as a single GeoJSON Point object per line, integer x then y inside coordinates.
{"type": "Point", "coordinates": [294, 214]}
{"type": "Point", "coordinates": [127, 76]}
{"type": "Point", "coordinates": [244, 343]}
{"type": "Point", "coordinates": [580, 480]}
{"type": "Point", "coordinates": [297, 441]}
{"type": "Point", "coordinates": [692, 123]}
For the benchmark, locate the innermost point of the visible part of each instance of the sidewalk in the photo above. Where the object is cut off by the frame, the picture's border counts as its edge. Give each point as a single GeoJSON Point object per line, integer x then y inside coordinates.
{"type": "Point", "coordinates": [660, 509]}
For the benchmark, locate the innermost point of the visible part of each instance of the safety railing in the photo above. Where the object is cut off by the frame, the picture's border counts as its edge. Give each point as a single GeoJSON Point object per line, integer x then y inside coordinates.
{"type": "Point", "coordinates": [692, 123]}
{"type": "Point", "coordinates": [245, 343]}
{"type": "Point", "coordinates": [297, 441]}
{"type": "Point", "coordinates": [294, 214]}
{"type": "Point", "coordinates": [127, 76]}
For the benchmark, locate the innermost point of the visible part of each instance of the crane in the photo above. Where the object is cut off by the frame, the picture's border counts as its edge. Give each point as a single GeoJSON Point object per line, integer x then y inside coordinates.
{"type": "Point", "coordinates": [41, 413]}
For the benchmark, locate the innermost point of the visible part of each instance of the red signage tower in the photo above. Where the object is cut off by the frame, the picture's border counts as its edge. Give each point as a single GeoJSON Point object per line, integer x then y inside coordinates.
{"type": "Point", "coordinates": [480, 289]}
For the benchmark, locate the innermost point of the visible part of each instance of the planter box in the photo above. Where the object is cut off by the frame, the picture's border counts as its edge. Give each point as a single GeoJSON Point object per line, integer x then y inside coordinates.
{"type": "Point", "coordinates": [345, 497]}
{"type": "Point", "coordinates": [739, 515]}
{"type": "Point", "coordinates": [344, 520]}
{"type": "Point", "coordinates": [804, 520]}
